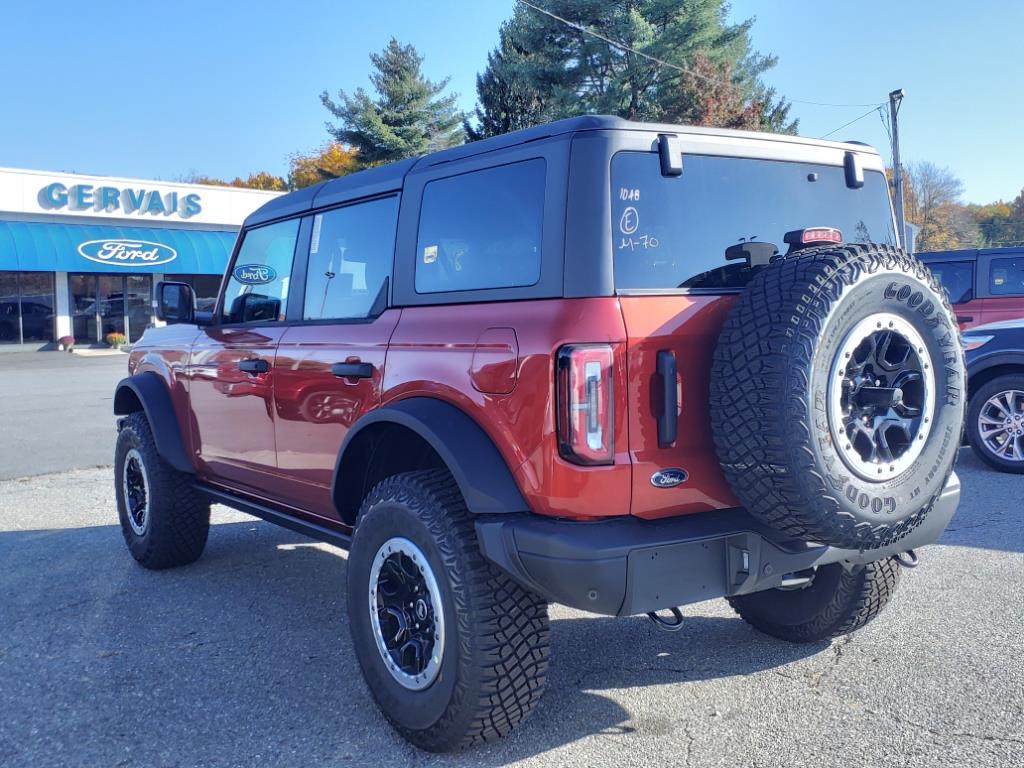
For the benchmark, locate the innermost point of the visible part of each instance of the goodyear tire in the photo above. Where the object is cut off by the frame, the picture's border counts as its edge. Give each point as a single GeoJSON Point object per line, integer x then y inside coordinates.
{"type": "Point", "coordinates": [164, 521]}
{"type": "Point", "coordinates": [838, 395]}
{"type": "Point", "coordinates": [834, 602]}
{"type": "Point", "coordinates": [453, 651]}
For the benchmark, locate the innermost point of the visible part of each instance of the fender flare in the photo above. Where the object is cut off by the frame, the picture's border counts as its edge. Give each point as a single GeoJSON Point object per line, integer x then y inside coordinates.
{"type": "Point", "coordinates": [150, 391]}
{"type": "Point", "coordinates": [467, 451]}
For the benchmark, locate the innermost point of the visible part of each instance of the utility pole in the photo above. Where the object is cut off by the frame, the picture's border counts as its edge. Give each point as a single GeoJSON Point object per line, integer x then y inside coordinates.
{"type": "Point", "coordinates": [895, 98]}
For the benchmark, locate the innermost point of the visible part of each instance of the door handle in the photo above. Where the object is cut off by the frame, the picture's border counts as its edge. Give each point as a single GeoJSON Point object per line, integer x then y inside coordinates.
{"type": "Point", "coordinates": [254, 366]}
{"type": "Point", "coordinates": [964, 319]}
{"type": "Point", "coordinates": [668, 419]}
{"type": "Point", "coordinates": [352, 370]}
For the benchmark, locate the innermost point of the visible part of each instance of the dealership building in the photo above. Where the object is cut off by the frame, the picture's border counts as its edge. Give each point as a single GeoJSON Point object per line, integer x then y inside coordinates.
{"type": "Point", "coordinates": [80, 255]}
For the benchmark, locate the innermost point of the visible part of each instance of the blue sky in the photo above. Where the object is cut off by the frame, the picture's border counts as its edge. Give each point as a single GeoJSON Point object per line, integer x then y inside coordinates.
{"type": "Point", "coordinates": [218, 88]}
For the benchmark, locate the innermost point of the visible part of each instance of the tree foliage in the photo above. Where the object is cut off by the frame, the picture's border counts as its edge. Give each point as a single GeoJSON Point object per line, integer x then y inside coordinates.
{"type": "Point", "coordinates": [1001, 223]}
{"type": "Point", "coordinates": [408, 117]}
{"type": "Point", "coordinates": [329, 162]}
{"type": "Point", "coordinates": [932, 202]}
{"type": "Point", "coordinates": [257, 180]}
{"type": "Point", "coordinates": [544, 69]}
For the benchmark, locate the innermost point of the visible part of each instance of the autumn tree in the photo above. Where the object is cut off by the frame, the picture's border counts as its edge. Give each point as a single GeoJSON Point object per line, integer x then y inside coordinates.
{"type": "Point", "coordinates": [257, 180]}
{"type": "Point", "coordinates": [409, 116]}
{"type": "Point", "coordinates": [649, 60]}
{"type": "Point", "coordinates": [329, 162]}
{"type": "Point", "coordinates": [932, 202]}
{"type": "Point", "coordinates": [1001, 223]}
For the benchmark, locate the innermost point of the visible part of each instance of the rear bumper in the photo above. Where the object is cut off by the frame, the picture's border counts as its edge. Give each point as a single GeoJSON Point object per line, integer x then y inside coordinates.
{"type": "Point", "coordinates": [626, 565]}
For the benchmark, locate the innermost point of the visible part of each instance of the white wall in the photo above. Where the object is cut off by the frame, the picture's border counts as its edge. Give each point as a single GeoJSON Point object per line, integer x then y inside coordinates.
{"type": "Point", "coordinates": [24, 192]}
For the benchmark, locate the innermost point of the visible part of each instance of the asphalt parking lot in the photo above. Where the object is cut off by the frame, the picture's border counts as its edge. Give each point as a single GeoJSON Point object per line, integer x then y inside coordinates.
{"type": "Point", "coordinates": [244, 659]}
{"type": "Point", "coordinates": [56, 411]}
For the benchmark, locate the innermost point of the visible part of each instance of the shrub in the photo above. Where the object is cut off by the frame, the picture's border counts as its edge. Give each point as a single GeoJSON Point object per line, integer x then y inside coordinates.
{"type": "Point", "coordinates": [66, 343]}
{"type": "Point", "coordinates": [115, 339]}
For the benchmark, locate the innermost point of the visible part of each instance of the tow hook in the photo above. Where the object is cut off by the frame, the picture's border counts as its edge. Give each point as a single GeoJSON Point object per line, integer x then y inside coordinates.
{"type": "Point", "coordinates": [907, 559]}
{"type": "Point", "coordinates": [669, 626]}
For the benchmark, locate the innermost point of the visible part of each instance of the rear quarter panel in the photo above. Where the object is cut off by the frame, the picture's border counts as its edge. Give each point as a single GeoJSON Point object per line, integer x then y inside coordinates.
{"type": "Point", "coordinates": [431, 354]}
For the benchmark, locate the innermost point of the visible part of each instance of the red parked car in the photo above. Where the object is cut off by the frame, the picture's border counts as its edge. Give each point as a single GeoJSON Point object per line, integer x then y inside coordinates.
{"type": "Point", "coordinates": [985, 285]}
{"type": "Point", "coordinates": [619, 366]}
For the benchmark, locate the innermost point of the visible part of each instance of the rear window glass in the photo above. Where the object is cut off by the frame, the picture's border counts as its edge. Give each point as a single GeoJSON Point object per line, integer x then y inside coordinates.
{"type": "Point", "coordinates": [1007, 277]}
{"type": "Point", "coordinates": [672, 231]}
{"type": "Point", "coordinates": [957, 277]}
{"type": "Point", "coordinates": [481, 229]}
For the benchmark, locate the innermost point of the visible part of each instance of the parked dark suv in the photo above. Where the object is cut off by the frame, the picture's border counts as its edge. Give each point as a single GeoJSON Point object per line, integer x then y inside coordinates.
{"type": "Point", "coordinates": [618, 366]}
{"type": "Point", "coordinates": [985, 285]}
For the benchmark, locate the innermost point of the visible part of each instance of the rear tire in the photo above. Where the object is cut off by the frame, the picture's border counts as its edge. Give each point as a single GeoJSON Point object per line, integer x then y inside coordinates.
{"type": "Point", "coordinates": [988, 403]}
{"type": "Point", "coordinates": [485, 668]}
{"type": "Point", "coordinates": [836, 602]}
{"type": "Point", "coordinates": [165, 522]}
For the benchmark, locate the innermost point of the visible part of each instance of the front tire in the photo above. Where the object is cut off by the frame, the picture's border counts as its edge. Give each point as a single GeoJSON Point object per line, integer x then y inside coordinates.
{"type": "Point", "coordinates": [165, 522]}
{"type": "Point", "coordinates": [453, 651]}
{"type": "Point", "coordinates": [995, 423]}
{"type": "Point", "coordinates": [835, 602]}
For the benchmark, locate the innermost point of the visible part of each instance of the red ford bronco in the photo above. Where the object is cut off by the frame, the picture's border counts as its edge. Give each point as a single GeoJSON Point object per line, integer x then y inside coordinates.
{"type": "Point", "coordinates": [618, 366]}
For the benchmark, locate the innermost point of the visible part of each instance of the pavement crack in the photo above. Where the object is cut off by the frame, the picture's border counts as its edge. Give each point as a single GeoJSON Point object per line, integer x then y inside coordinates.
{"type": "Point", "coordinates": [947, 734]}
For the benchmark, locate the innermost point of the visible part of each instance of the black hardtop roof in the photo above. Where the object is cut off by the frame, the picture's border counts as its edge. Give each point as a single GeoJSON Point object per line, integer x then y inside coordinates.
{"type": "Point", "coordinates": [388, 178]}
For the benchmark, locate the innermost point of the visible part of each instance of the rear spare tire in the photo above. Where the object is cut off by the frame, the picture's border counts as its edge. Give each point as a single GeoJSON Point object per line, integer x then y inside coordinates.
{"type": "Point", "coordinates": [837, 395]}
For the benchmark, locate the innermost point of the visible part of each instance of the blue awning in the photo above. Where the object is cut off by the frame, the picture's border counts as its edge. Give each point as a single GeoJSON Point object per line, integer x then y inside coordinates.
{"type": "Point", "coordinates": [38, 247]}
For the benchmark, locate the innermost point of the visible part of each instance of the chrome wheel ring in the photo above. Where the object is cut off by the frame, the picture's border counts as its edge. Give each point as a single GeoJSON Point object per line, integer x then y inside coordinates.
{"type": "Point", "coordinates": [135, 486]}
{"type": "Point", "coordinates": [881, 397]}
{"type": "Point", "coordinates": [1001, 425]}
{"type": "Point", "coordinates": [406, 613]}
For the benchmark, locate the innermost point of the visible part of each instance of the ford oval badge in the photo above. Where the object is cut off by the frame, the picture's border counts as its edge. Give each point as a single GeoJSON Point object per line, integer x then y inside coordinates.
{"type": "Point", "coordinates": [669, 478]}
{"type": "Point", "coordinates": [127, 253]}
{"type": "Point", "coordinates": [254, 274]}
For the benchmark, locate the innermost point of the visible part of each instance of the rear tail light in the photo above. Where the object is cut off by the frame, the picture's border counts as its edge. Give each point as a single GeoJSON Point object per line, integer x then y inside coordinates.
{"type": "Point", "coordinates": [585, 403]}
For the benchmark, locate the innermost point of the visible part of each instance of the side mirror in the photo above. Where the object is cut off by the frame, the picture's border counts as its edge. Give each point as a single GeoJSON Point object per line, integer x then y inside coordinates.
{"type": "Point", "coordinates": [175, 303]}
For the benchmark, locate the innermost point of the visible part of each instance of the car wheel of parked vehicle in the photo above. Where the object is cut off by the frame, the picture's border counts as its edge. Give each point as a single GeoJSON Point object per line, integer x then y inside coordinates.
{"type": "Point", "coordinates": [165, 522]}
{"type": "Point", "coordinates": [828, 602]}
{"type": "Point", "coordinates": [453, 651]}
{"type": "Point", "coordinates": [837, 395]}
{"type": "Point", "coordinates": [995, 423]}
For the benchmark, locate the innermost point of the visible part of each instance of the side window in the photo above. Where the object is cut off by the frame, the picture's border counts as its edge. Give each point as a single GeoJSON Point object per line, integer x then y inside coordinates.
{"type": "Point", "coordinates": [1006, 277]}
{"type": "Point", "coordinates": [482, 229]}
{"type": "Point", "coordinates": [957, 277]}
{"type": "Point", "coordinates": [350, 256]}
{"type": "Point", "coordinates": [257, 289]}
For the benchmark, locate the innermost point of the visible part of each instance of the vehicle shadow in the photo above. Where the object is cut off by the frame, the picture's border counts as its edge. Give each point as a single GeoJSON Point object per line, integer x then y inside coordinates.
{"type": "Point", "coordinates": [245, 659]}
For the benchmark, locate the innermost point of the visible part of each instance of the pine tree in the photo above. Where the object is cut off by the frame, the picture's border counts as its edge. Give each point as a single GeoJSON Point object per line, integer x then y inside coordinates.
{"type": "Point", "coordinates": [408, 117]}
{"type": "Point", "coordinates": [545, 69]}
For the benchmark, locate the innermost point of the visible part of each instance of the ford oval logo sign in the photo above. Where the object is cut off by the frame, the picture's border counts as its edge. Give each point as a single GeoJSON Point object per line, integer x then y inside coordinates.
{"type": "Point", "coordinates": [254, 274]}
{"type": "Point", "coordinates": [127, 253]}
{"type": "Point", "coordinates": [669, 478]}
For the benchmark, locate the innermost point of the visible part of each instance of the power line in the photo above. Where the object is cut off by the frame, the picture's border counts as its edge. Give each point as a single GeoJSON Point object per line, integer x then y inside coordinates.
{"type": "Point", "coordinates": [876, 108]}
{"type": "Point", "coordinates": [662, 62]}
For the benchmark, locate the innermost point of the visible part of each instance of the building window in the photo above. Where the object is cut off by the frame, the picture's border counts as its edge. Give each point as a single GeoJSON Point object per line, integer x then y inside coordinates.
{"type": "Point", "coordinates": [26, 307]}
{"type": "Point", "coordinates": [205, 288]}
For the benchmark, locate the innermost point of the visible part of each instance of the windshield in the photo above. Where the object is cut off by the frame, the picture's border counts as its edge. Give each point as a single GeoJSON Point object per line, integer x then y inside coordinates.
{"type": "Point", "coordinates": [672, 232]}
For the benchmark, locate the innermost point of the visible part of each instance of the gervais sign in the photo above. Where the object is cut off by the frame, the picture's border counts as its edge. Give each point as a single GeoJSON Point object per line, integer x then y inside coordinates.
{"type": "Point", "coordinates": [127, 253]}
{"type": "Point", "coordinates": [86, 197]}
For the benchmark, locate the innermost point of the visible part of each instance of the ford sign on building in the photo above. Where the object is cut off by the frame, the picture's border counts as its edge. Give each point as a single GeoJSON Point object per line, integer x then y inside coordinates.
{"type": "Point", "coordinates": [80, 255]}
